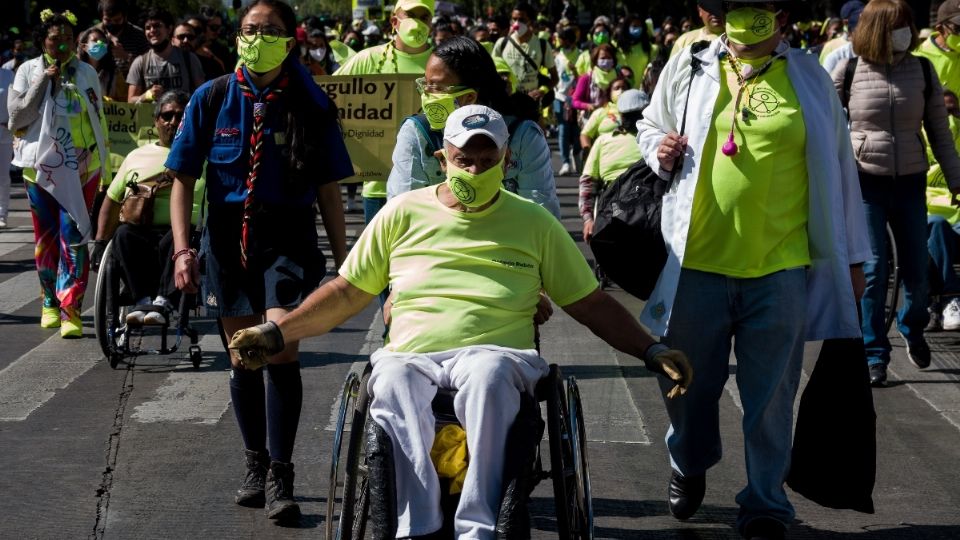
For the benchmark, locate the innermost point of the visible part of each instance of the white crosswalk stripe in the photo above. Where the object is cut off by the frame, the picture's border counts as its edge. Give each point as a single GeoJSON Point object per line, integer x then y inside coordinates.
{"type": "Point", "coordinates": [19, 291]}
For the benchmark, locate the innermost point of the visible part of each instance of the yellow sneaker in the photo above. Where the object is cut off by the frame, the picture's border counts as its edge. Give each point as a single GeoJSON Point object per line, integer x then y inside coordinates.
{"type": "Point", "coordinates": [72, 327]}
{"type": "Point", "coordinates": [50, 317]}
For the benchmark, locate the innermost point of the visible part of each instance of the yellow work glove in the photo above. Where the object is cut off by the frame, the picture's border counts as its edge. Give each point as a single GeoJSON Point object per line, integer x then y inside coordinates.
{"type": "Point", "coordinates": [673, 364]}
{"type": "Point", "coordinates": [252, 346]}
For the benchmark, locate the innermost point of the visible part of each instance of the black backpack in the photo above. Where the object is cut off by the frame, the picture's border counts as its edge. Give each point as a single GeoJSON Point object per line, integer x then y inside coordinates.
{"type": "Point", "coordinates": [627, 241]}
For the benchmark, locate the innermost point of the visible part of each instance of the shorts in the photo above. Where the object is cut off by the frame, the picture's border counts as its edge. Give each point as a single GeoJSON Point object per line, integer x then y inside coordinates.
{"type": "Point", "coordinates": [284, 262]}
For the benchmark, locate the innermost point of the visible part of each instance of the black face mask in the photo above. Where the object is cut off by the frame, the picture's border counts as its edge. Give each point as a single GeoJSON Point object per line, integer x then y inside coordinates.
{"type": "Point", "coordinates": [160, 46]}
{"type": "Point", "coordinates": [113, 28]}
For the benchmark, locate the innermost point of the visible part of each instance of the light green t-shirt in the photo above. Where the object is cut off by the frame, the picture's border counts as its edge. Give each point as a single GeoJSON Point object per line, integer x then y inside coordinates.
{"type": "Point", "coordinates": [611, 155]}
{"type": "Point", "coordinates": [688, 38]}
{"type": "Point", "coordinates": [341, 52]}
{"type": "Point", "coordinates": [602, 120]}
{"type": "Point", "coordinates": [637, 60]}
{"type": "Point", "coordinates": [377, 60]}
{"type": "Point", "coordinates": [939, 198]}
{"type": "Point", "coordinates": [540, 53]}
{"type": "Point", "coordinates": [460, 279]}
{"type": "Point", "coordinates": [584, 64]}
{"type": "Point", "coordinates": [831, 46]}
{"type": "Point", "coordinates": [945, 63]}
{"type": "Point", "coordinates": [145, 162]}
{"type": "Point", "coordinates": [750, 211]}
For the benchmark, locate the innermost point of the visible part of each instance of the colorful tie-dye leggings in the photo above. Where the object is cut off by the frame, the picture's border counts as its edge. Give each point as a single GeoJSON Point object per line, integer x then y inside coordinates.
{"type": "Point", "coordinates": [62, 260]}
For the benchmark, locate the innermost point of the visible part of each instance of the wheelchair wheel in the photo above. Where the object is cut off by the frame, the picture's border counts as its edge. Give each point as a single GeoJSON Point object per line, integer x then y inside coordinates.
{"type": "Point", "coordinates": [108, 310]}
{"type": "Point", "coordinates": [583, 510]}
{"type": "Point", "coordinates": [352, 478]}
{"type": "Point", "coordinates": [894, 282]}
{"type": "Point", "coordinates": [561, 456]}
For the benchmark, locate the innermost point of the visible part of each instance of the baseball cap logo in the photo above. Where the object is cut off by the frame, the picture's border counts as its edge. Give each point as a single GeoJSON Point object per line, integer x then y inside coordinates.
{"type": "Point", "coordinates": [475, 121]}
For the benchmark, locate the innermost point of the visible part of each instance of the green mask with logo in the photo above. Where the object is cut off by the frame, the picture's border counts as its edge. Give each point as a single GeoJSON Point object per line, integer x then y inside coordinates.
{"type": "Point", "coordinates": [601, 37]}
{"type": "Point", "coordinates": [474, 190]}
{"type": "Point", "coordinates": [953, 41]}
{"type": "Point", "coordinates": [413, 32]}
{"type": "Point", "coordinates": [437, 107]}
{"type": "Point", "coordinates": [748, 26]}
{"type": "Point", "coordinates": [260, 56]}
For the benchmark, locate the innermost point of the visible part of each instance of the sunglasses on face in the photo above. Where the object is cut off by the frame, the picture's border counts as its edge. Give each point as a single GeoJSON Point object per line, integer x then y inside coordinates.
{"type": "Point", "coordinates": [167, 116]}
{"type": "Point", "coordinates": [186, 37]}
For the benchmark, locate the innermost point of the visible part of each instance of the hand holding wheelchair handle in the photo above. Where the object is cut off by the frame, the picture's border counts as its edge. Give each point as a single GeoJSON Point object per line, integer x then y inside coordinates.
{"type": "Point", "coordinates": [670, 362]}
{"type": "Point", "coordinates": [251, 347]}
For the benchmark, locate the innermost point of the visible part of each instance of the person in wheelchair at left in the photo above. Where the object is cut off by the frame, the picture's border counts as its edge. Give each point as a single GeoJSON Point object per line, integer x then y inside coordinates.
{"type": "Point", "coordinates": [142, 252]}
{"type": "Point", "coordinates": [466, 262]}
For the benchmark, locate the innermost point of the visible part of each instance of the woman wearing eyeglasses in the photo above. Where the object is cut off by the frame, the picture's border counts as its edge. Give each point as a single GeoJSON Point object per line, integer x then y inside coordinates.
{"type": "Point", "coordinates": [142, 251]}
{"type": "Point", "coordinates": [272, 145]}
{"type": "Point", "coordinates": [460, 72]}
{"type": "Point", "coordinates": [56, 113]}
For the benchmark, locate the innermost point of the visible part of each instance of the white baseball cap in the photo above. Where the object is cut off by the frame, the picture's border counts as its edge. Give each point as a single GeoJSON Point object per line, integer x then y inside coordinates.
{"type": "Point", "coordinates": [471, 120]}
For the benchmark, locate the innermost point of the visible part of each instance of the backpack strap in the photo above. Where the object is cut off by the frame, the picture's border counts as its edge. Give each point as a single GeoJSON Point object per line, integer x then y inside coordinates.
{"type": "Point", "coordinates": [499, 46]}
{"type": "Point", "coordinates": [848, 73]}
{"type": "Point", "coordinates": [434, 137]}
{"type": "Point", "coordinates": [214, 102]}
{"type": "Point", "coordinates": [927, 77]}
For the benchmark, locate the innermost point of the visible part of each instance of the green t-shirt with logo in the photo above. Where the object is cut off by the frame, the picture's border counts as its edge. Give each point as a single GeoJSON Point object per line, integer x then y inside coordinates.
{"type": "Point", "coordinates": [750, 210]}
{"type": "Point", "coordinates": [143, 163]}
{"type": "Point", "coordinates": [611, 155]}
{"type": "Point", "coordinates": [378, 60]}
{"type": "Point", "coordinates": [460, 279]}
{"type": "Point", "coordinates": [602, 120]}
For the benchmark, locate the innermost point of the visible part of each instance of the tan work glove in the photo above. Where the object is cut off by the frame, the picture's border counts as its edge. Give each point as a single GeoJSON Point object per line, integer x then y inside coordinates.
{"type": "Point", "coordinates": [252, 346]}
{"type": "Point", "coordinates": [672, 363]}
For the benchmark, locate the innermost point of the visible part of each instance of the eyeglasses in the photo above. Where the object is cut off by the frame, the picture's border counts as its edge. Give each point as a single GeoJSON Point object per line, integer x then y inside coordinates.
{"type": "Point", "coordinates": [167, 116]}
{"type": "Point", "coordinates": [425, 88]}
{"type": "Point", "coordinates": [269, 34]}
{"type": "Point", "coordinates": [185, 37]}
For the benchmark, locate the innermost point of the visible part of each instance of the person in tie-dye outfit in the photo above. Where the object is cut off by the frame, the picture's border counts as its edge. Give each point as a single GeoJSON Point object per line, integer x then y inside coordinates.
{"type": "Point", "coordinates": [59, 223]}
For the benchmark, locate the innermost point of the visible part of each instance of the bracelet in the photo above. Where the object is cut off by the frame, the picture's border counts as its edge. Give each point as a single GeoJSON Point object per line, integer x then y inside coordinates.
{"type": "Point", "coordinates": [185, 251]}
{"type": "Point", "coordinates": [654, 350]}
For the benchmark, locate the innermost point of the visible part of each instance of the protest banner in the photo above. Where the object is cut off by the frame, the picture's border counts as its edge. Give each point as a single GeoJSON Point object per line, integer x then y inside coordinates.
{"type": "Point", "coordinates": [129, 125]}
{"type": "Point", "coordinates": [371, 108]}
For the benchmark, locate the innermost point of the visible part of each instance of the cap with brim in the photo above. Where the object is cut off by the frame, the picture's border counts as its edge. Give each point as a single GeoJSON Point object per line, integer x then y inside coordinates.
{"type": "Point", "coordinates": [713, 7]}
{"type": "Point", "coordinates": [632, 100]}
{"type": "Point", "coordinates": [407, 5]}
{"type": "Point", "coordinates": [471, 120]}
{"type": "Point", "coordinates": [949, 12]}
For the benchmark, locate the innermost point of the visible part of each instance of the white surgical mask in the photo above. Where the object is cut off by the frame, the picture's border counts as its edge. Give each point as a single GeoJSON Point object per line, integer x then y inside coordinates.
{"type": "Point", "coordinates": [318, 54]}
{"type": "Point", "coordinates": [900, 39]}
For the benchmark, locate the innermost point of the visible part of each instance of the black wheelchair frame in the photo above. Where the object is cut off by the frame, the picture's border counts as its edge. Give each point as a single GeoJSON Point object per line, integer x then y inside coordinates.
{"type": "Point", "coordinates": [350, 481]}
{"type": "Point", "coordinates": [113, 303]}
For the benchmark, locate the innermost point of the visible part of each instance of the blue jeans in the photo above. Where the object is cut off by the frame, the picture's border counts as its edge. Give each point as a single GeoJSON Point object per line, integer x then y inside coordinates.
{"type": "Point", "coordinates": [765, 319]}
{"type": "Point", "coordinates": [902, 203]}
{"type": "Point", "coordinates": [943, 244]}
{"type": "Point", "coordinates": [372, 205]}
{"type": "Point", "coordinates": [569, 132]}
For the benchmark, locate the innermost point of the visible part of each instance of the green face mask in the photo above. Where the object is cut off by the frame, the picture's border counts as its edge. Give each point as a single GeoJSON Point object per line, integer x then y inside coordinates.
{"type": "Point", "coordinates": [600, 38]}
{"type": "Point", "coordinates": [437, 107]}
{"type": "Point", "coordinates": [413, 32]}
{"type": "Point", "coordinates": [260, 56]}
{"type": "Point", "coordinates": [748, 25]}
{"type": "Point", "coordinates": [474, 190]}
{"type": "Point", "coordinates": [953, 41]}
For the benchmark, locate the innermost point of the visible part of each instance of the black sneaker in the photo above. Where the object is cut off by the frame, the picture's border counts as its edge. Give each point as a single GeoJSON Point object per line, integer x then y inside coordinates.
{"type": "Point", "coordinates": [878, 375]}
{"type": "Point", "coordinates": [918, 353]}
{"type": "Point", "coordinates": [279, 491]}
{"type": "Point", "coordinates": [250, 493]}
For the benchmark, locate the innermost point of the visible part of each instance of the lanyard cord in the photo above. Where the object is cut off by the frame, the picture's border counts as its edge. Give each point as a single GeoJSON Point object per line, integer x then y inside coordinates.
{"type": "Point", "coordinates": [745, 76]}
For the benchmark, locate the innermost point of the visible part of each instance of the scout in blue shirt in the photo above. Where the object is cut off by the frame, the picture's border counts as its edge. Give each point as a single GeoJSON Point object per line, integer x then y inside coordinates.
{"type": "Point", "coordinates": [273, 147]}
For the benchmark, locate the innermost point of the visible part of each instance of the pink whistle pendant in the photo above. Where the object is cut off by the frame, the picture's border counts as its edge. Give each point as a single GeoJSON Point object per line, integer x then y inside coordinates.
{"type": "Point", "coordinates": [729, 148]}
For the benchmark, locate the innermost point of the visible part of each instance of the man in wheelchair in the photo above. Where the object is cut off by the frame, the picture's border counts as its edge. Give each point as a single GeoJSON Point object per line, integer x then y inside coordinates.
{"type": "Point", "coordinates": [141, 233]}
{"type": "Point", "coordinates": [466, 262]}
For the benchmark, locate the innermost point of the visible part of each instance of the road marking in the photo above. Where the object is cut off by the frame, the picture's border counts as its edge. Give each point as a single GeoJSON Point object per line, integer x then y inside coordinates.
{"type": "Point", "coordinates": [936, 387]}
{"type": "Point", "coordinates": [34, 378]}
{"type": "Point", "coordinates": [610, 413]}
{"type": "Point", "coordinates": [372, 342]}
{"type": "Point", "coordinates": [19, 291]}
{"type": "Point", "coordinates": [13, 239]}
{"type": "Point", "coordinates": [198, 397]}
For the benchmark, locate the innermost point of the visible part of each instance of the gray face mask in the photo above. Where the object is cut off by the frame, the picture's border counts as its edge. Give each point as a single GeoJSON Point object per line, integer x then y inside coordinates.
{"type": "Point", "coordinates": [900, 39]}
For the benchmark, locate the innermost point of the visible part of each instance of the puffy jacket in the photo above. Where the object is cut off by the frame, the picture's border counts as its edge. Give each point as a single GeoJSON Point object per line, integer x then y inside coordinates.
{"type": "Point", "coordinates": [888, 109]}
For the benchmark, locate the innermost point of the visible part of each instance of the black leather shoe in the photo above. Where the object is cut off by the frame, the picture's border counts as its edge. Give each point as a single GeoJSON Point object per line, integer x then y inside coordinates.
{"type": "Point", "coordinates": [918, 353]}
{"type": "Point", "coordinates": [764, 528]}
{"type": "Point", "coordinates": [878, 375]}
{"type": "Point", "coordinates": [685, 494]}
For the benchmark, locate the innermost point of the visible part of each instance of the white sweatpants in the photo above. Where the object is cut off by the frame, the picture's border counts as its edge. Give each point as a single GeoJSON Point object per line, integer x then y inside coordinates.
{"type": "Point", "coordinates": [488, 381]}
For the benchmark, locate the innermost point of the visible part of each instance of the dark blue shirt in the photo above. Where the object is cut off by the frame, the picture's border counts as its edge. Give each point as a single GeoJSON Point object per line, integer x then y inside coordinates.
{"type": "Point", "coordinates": [226, 147]}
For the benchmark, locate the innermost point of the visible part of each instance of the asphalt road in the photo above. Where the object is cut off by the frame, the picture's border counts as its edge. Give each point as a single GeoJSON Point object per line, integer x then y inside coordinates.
{"type": "Point", "coordinates": [151, 450]}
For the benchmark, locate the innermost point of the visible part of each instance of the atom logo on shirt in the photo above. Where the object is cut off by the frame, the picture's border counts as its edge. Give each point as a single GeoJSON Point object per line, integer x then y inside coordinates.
{"type": "Point", "coordinates": [463, 191]}
{"type": "Point", "coordinates": [764, 103]}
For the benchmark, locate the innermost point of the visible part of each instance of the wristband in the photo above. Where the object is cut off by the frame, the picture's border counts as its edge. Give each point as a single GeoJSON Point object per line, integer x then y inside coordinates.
{"type": "Point", "coordinates": [654, 350]}
{"type": "Point", "coordinates": [273, 337]}
{"type": "Point", "coordinates": [185, 251]}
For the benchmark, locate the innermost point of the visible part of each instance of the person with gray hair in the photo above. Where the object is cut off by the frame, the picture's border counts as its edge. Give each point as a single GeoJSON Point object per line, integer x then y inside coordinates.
{"type": "Point", "coordinates": [466, 260]}
{"type": "Point", "coordinates": [142, 251]}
